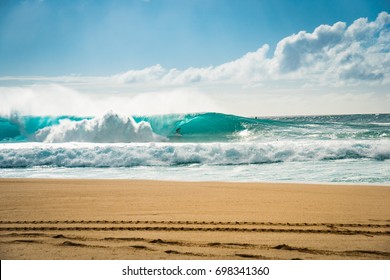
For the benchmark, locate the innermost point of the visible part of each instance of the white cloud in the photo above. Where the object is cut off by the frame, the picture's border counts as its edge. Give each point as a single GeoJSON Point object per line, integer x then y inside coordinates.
{"type": "Point", "coordinates": [337, 53]}
{"type": "Point", "coordinates": [153, 73]}
{"type": "Point", "coordinates": [304, 49]}
{"type": "Point", "coordinates": [341, 53]}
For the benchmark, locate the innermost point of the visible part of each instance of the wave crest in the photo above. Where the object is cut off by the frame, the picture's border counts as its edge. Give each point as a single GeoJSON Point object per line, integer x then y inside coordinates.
{"type": "Point", "coordinates": [111, 128]}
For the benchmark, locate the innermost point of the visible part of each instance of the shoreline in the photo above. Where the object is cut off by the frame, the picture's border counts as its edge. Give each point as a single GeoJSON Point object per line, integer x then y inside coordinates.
{"type": "Point", "coordinates": [146, 219]}
{"type": "Point", "coordinates": [282, 182]}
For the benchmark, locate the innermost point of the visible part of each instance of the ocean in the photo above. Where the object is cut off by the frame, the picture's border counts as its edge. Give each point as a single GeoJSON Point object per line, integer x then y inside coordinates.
{"type": "Point", "coordinates": [198, 147]}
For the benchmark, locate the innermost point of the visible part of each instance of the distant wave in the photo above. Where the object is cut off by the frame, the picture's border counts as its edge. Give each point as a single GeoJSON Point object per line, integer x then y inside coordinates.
{"type": "Point", "coordinates": [23, 155]}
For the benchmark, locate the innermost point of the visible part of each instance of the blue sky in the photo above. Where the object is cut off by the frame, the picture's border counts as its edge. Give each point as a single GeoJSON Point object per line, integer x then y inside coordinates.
{"type": "Point", "coordinates": [246, 57]}
{"type": "Point", "coordinates": [106, 37]}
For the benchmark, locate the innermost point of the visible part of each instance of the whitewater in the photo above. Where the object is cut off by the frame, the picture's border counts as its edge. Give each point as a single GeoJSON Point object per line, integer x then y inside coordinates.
{"type": "Point", "coordinates": [198, 147]}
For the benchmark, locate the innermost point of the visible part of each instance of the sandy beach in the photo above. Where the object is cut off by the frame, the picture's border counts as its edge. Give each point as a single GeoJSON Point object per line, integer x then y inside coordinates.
{"type": "Point", "coordinates": [128, 219]}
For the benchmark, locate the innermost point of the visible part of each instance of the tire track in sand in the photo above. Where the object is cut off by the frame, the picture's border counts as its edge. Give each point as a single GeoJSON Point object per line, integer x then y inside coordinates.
{"type": "Point", "coordinates": [123, 236]}
{"type": "Point", "coordinates": [103, 225]}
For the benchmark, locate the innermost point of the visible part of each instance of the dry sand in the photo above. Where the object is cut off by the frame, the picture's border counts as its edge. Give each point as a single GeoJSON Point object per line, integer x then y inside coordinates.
{"type": "Point", "coordinates": [124, 219]}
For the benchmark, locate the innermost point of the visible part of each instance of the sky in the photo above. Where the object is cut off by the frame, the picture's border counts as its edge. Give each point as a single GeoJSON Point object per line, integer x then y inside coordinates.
{"type": "Point", "coordinates": [248, 57]}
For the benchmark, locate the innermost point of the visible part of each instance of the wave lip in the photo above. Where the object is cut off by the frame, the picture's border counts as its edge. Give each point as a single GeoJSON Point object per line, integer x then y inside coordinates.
{"type": "Point", "coordinates": [111, 128]}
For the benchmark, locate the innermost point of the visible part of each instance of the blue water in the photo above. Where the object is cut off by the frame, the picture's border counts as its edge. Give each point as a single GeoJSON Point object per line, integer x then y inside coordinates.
{"type": "Point", "coordinates": [198, 147]}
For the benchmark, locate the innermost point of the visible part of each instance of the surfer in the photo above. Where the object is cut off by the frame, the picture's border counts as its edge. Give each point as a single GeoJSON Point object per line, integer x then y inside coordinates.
{"type": "Point", "coordinates": [178, 131]}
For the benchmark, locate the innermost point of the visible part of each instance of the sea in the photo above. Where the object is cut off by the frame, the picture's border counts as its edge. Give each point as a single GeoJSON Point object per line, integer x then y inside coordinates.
{"type": "Point", "coordinates": [198, 147]}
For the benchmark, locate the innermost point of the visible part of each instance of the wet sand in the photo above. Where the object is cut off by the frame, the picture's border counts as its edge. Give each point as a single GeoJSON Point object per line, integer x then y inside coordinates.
{"type": "Point", "coordinates": [129, 219]}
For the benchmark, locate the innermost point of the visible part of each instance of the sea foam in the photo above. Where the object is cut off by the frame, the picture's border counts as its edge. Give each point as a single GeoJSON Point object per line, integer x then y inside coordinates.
{"type": "Point", "coordinates": [23, 155]}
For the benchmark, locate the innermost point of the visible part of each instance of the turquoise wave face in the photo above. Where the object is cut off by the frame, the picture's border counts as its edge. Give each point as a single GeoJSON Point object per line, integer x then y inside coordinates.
{"type": "Point", "coordinates": [202, 127]}
{"type": "Point", "coordinates": [209, 127]}
{"type": "Point", "coordinates": [23, 128]}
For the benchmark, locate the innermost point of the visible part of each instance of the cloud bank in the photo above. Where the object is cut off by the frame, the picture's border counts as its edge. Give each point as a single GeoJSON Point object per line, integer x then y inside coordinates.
{"type": "Point", "coordinates": [334, 69]}
{"type": "Point", "coordinates": [359, 52]}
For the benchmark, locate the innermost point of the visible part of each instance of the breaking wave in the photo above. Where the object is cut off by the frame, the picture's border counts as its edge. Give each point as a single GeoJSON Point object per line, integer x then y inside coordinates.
{"type": "Point", "coordinates": [111, 128]}
{"type": "Point", "coordinates": [23, 155]}
{"type": "Point", "coordinates": [199, 128]}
